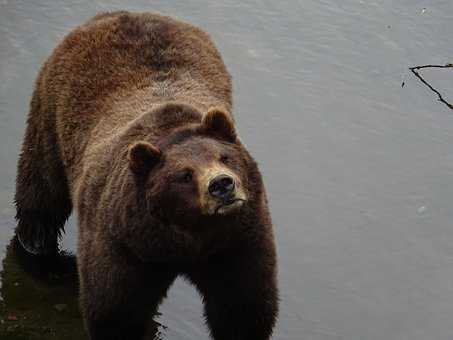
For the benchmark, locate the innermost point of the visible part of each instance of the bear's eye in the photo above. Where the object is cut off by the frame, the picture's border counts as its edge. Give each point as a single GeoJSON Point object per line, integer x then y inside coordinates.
{"type": "Point", "coordinates": [186, 177]}
{"type": "Point", "coordinates": [224, 159]}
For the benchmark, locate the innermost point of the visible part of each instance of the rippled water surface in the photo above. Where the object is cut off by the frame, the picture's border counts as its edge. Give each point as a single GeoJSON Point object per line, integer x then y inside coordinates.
{"type": "Point", "coordinates": [359, 169]}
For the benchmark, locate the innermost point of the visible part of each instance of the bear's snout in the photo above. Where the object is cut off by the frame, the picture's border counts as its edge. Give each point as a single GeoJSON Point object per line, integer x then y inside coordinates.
{"type": "Point", "coordinates": [221, 190]}
{"type": "Point", "coordinates": [222, 187]}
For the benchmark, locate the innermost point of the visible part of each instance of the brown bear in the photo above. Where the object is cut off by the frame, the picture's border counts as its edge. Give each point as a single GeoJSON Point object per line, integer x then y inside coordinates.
{"type": "Point", "coordinates": [130, 124]}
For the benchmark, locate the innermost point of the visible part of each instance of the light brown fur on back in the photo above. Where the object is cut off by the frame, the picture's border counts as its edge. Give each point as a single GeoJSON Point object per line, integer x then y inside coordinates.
{"type": "Point", "coordinates": [118, 66]}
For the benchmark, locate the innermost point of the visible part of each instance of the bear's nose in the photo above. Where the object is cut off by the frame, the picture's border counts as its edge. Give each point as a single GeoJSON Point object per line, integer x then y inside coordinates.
{"type": "Point", "coordinates": [221, 186]}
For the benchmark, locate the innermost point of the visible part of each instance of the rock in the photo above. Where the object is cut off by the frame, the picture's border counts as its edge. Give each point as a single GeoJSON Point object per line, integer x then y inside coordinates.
{"type": "Point", "coordinates": [60, 307]}
{"type": "Point", "coordinates": [12, 317]}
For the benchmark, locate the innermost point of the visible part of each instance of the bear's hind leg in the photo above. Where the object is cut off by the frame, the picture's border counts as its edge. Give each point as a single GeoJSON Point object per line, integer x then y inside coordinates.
{"type": "Point", "coordinates": [42, 197]}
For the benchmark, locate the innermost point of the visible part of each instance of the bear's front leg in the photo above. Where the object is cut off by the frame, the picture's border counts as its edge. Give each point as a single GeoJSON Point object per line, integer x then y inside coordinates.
{"type": "Point", "coordinates": [118, 293]}
{"type": "Point", "coordinates": [240, 294]}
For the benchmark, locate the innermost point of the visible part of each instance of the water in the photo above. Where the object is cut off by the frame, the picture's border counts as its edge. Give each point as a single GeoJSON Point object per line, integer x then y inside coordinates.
{"type": "Point", "coordinates": [358, 169]}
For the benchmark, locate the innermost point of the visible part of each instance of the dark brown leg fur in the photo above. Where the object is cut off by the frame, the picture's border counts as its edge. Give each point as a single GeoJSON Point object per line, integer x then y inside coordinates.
{"type": "Point", "coordinates": [42, 197]}
{"type": "Point", "coordinates": [119, 295]}
{"type": "Point", "coordinates": [240, 295]}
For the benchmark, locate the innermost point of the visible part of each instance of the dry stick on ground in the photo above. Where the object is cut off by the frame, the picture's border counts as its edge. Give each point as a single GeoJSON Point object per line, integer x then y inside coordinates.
{"type": "Point", "coordinates": [416, 68]}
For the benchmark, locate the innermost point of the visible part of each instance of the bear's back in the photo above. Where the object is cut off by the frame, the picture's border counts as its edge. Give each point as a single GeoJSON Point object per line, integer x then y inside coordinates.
{"type": "Point", "coordinates": [119, 65]}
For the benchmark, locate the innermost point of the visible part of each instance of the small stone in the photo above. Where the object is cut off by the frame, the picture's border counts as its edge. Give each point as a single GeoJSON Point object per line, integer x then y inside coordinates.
{"type": "Point", "coordinates": [421, 210]}
{"type": "Point", "coordinates": [16, 284]}
{"type": "Point", "coordinates": [60, 307]}
{"type": "Point", "coordinates": [12, 328]}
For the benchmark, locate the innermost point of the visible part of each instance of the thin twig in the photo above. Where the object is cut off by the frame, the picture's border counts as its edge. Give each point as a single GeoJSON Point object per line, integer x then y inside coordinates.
{"type": "Point", "coordinates": [426, 66]}
{"type": "Point", "coordinates": [414, 71]}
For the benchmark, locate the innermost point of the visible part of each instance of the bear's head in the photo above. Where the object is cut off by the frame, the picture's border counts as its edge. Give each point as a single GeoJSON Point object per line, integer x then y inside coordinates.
{"type": "Point", "coordinates": [198, 170]}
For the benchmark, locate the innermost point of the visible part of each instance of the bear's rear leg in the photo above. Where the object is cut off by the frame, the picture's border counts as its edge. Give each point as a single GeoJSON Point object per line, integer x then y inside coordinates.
{"type": "Point", "coordinates": [38, 231]}
{"type": "Point", "coordinates": [42, 196]}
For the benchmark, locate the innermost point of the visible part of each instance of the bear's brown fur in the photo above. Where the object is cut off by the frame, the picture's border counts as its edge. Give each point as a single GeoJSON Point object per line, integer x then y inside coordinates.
{"type": "Point", "coordinates": [130, 124]}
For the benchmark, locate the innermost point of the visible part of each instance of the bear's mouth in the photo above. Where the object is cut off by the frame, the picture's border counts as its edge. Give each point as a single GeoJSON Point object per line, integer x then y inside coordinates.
{"type": "Point", "coordinates": [228, 206]}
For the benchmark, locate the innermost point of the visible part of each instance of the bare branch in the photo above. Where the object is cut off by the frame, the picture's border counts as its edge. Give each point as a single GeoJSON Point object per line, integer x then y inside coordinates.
{"type": "Point", "coordinates": [415, 69]}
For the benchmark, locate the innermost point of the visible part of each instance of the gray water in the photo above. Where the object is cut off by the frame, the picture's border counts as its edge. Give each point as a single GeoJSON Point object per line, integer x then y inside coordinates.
{"type": "Point", "coordinates": [359, 170]}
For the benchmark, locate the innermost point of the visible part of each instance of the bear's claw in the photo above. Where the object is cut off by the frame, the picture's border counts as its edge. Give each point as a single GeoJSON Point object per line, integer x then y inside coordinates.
{"type": "Point", "coordinates": [38, 242]}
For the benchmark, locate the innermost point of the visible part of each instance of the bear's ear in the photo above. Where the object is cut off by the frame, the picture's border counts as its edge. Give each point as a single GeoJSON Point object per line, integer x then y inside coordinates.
{"type": "Point", "coordinates": [219, 122]}
{"type": "Point", "coordinates": [142, 156]}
